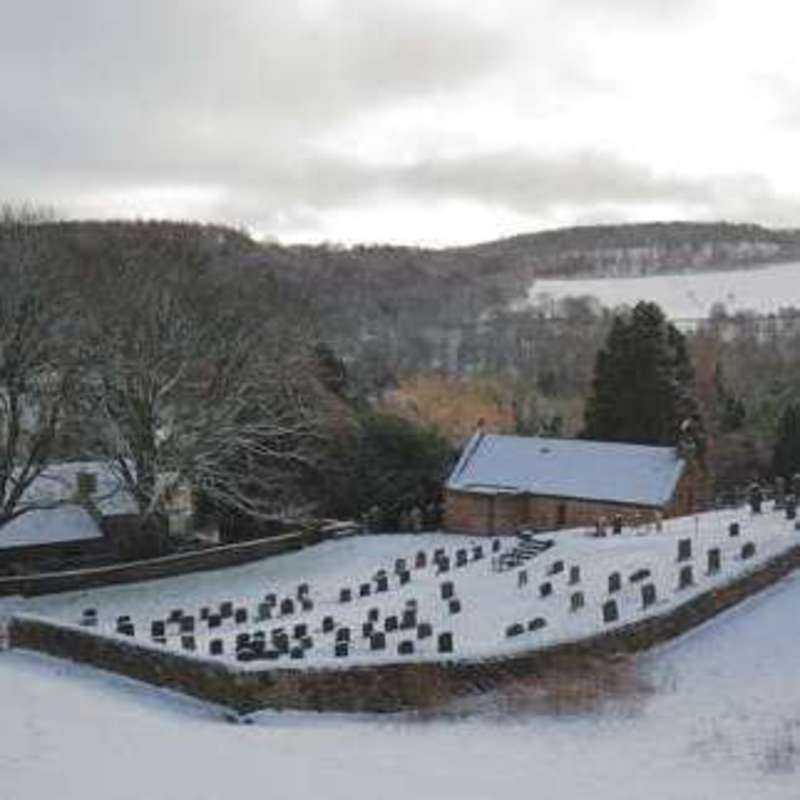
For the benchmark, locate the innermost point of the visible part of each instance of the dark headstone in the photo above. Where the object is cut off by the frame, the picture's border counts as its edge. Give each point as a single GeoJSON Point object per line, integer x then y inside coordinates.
{"type": "Point", "coordinates": [123, 618]}
{"type": "Point", "coordinates": [187, 624]}
{"type": "Point", "coordinates": [297, 652]}
{"type": "Point", "coordinates": [157, 628]}
{"type": "Point", "coordinates": [258, 646]}
{"type": "Point", "coordinates": [306, 643]}
{"type": "Point", "coordinates": [328, 624]}
{"type": "Point", "coordinates": [455, 606]}
{"type": "Point", "coordinates": [648, 594]}
{"type": "Point", "coordinates": [522, 578]}
{"type": "Point", "coordinates": [515, 630]}
{"type": "Point", "coordinates": [405, 577]}
{"type": "Point", "coordinates": [639, 575]}
{"type": "Point", "coordinates": [271, 599]}
{"type": "Point", "coordinates": [215, 647]}
{"type": "Point", "coordinates": [610, 611]}
{"type": "Point", "coordinates": [461, 557]}
{"type": "Point", "coordinates": [714, 560]}
{"type": "Point", "coordinates": [126, 629]}
{"type": "Point", "coordinates": [343, 635]}
{"type": "Point", "coordinates": [399, 565]}
{"type": "Point", "coordinates": [366, 629]}
{"type": "Point", "coordinates": [421, 560]}
{"type": "Point", "coordinates": [405, 648]}
{"type": "Point", "coordinates": [424, 630]}
{"type": "Point", "coordinates": [264, 611]}
{"type": "Point", "coordinates": [438, 553]}
{"type": "Point", "coordinates": [341, 649]}
{"type": "Point", "coordinates": [300, 630]}
{"type": "Point", "coordinates": [214, 620]}
{"type": "Point", "coordinates": [617, 524]}
{"type": "Point", "coordinates": [684, 549]}
{"type": "Point", "coordinates": [685, 577]}
{"type": "Point", "coordinates": [272, 655]}
{"type": "Point", "coordinates": [390, 623]}
{"type": "Point", "coordinates": [226, 609]}
{"type": "Point", "coordinates": [576, 601]}
{"type": "Point", "coordinates": [412, 603]}
{"type": "Point", "coordinates": [537, 623]}
{"type": "Point", "coordinates": [545, 589]}
{"type": "Point", "coordinates": [477, 552]}
{"type": "Point", "coordinates": [574, 575]}
{"type": "Point", "coordinates": [204, 612]}
{"type": "Point", "coordinates": [187, 642]}
{"type": "Point", "coordinates": [364, 590]}
{"type": "Point", "coordinates": [791, 506]}
{"type": "Point", "coordinates": [175, 615]}
{"type": "Point", "coordinates": [242, 640]}
{"type": "Point", "coordinates": [373, 614]}
{"type": "Point", "coordinates": [614, 582]}
{"type": "Point", "coordinates": [306, 603]}
{"type": "Point", "coordinates": [748, 550]}
{"type": "Point", "coordinates": [556, 568]}
{"type": "Point", "coordinates": [287, 606]}
{"type": "Point", "coordinates": [345, 595]}
{"type": "Point", "coordinates": [409, 619]}
{"type": "Point", "coordinates": [89, 612]}
{"type": "Point", "coordinates": [302, 590]}
{"type": "Point", "coordinates": [377, 641]}
{"type": "Point", "coordinates": [443, 565]}
{"type": "Point", "coordinates": [447, 590]}
{"type": "Point", "coordinates": [496, 546]}
{"type": "Point", "coordinates": [382, 583]}
{"type": "Point", "coordinates": [733, 529]}
{"type": "Point", "coordinates": [445, 642]}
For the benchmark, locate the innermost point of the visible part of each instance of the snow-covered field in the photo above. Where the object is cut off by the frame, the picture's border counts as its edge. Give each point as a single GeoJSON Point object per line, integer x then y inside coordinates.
{"type": "Point", "coordinates": [723, 721]}
{"type": "Point", "coordinates": [490, 601]}
{"type": "Point", "coordinates": [686, 296]}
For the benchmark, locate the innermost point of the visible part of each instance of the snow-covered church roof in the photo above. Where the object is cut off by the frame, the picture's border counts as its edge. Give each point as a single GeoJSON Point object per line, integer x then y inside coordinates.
{"type": "Point", "coordinates": [571, 468]}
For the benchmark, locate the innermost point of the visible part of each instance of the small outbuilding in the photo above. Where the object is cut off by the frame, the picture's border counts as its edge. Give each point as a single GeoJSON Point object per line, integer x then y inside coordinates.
{"type": "Point", "coordinates": [503, 484]}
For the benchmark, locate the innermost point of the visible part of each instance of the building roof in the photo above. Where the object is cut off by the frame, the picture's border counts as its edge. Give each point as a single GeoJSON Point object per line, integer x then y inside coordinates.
{"type": "Point", "coordinates": [578, 469]}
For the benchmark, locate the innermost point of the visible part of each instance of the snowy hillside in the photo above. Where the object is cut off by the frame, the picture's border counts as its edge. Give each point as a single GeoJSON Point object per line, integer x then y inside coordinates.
{"type": "Point", "coordinates": [723, 721]}
{"type": "Point", "coordinates": [686, 296]}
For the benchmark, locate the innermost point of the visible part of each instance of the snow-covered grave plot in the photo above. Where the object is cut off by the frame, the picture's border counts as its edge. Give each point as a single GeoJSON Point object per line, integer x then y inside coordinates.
{"type": "Point", "coordinates": [404, 597]}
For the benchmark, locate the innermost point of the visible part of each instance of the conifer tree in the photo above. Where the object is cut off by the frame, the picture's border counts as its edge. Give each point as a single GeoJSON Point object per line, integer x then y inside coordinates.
{"type": "Point", "coordinates": [786, 454]}
{"type": "Point", "coordinates": [642, 390]}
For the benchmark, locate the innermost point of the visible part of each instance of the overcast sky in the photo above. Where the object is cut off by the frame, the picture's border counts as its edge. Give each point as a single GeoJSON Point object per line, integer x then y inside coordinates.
{"type": "Point", "coordinates": [410, 121]}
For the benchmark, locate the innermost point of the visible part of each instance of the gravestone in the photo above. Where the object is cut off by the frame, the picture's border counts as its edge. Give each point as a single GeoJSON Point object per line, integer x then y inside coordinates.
{"type": "Point", "coordinates": [424, 630]}
{"type": "Point", "coordinates": [242, 640]}
{"type": "Point", "coordinates": [382, 583]}
{"type": "Point", "coordinates": [791, 506]}
{"type": "Point", "coordinates": [287, 606]}
{"type": "Point", "coordinates": [187, 642]}
{"type": "Point", "coordinates": [366, 629]}
{"type": "Point", "coordinates": [477, 552]}
{"type": "Point", "coordinates": [364, 590]}
{"type": "Point", "coordinates": [345, 595]}
{"type": "Point", "coordinates": [399, 565]}
{"type": "Point", "coordinates": [175, 615]}
{"type": "Point", "coordinates": [307, 603]}
{"type": "Point", "coordinates": [685, 577]}
{"type": "Point", "coordinates": [409, 619]}
{"type": "Point", "coordinates": [574, 575]}
{"type": "Point", "coordinates": [445, 642]}
{"type": "Point", "coordinates": [405, 577]}
{"type": "Point", "coordinates": [755, 497]}
{"type": "Point", "coordinates": [302, 590]}
{"type": "Point", "coordinates": [614, 582]}
{"type": "Point", "coordinates": [214, 620]}
{"type": "Point", "coordinates": [240, 616]}
{"type": "Point", "coordinates": [438, 553]}
{"type": "Point", "coordinates": [748, 550]}
{"type": "Point", "coordinates": [245, 654]}
{"type": "Point", "coordinates": [204, 612]}
{"type": "Point", "coordinates": [306, 643]}
{"type": "Point", "coordinates": [617, 524]}
{"type": "Point", "coordinates": [639, 575]}
{"type": "Point", "coordinates": [405, 648]}
{"type": "Point", "coordinates": [714, 560]}
{"type": "Point", "coordinates": [272, 655]}
{"type": "Point", "coordinates": [341, 649]}
{"type": "Point", "coordinates": [576, 601]}
{"type": "Point", "coordinates": [545, 589]}
{"type": "Point", "coordinates": [514, 630]}
{"type": "Point", "coordinates": [537, 623]}
{"type": "Point", "coordinates": [187, 625]}
{"type": "Point", "coordinates": [461, 557]}
{"type": "Point", "coordinates": [126, 629]}
{"type": "Point", "coordinates": [556, 568]}
{"type": "Point", "coordinates": [264, 611]}
{"type": "Point", "coordinates": [412, 603]}
{"type": "Point", "coordinates": [648, 594]}
{"type": "Point", "coordinates": [522, 578]}
{"type": "Point", "coordinates": [226, 609]}
{"type": "Point", "coordinates": [327, 624]}
{"type": "Point", "coordinates": [443, 565]}
{"type": "Point", "coordinates": [373, 614]}
{"type": "Point", "coordinates": [377, 641]}
{"type": "Point", "coordinates": [343, 635]}
{"type": "Point", "coordinates": [271, 599]}
{"type": "Point", "coordinates": [123, 618]}
{"type": "Point", "coordinates": [455, 606]}
{"type": "Point", "coordinates": [447, 590]}
{"type": "Point", "coordinates": [684, 549]}
{"type": "Point", "coordinates": [733, 529]}
{"type": "Point", "coordinates": [300, 630]}
{"type": "Point", "coordinates": [610, 611]}
{"type": "Point", "coordinates": [421, 560]}
{"type": "Point", "coordinates": [496, 546]}
{"type": "Point", "coordinates": [390, 623]}
{"type": "Point", "coordinates": [258, 646]}
{"type": "Point", "coordinates": [297, 653]}
{"type": "Point", "coordinates": [215, 647]}
{"type": "Point", "coordinates": [157, 628]}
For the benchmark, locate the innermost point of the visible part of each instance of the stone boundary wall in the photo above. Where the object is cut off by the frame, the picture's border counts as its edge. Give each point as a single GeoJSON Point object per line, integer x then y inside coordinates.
{"type": "Point", "coordinates": [148, 569]}
{"type": "Point", "coordinates": [386, 687]}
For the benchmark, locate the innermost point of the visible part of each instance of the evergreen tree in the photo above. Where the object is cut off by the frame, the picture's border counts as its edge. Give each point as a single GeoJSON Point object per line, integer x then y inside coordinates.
{"type": "Point", "coordinates": [786, 454]}
{"type": "Point", "coordinates": [642, 390]}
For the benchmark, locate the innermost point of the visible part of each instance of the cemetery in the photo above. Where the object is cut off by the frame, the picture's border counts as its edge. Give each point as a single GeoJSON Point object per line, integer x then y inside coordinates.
{"type": "Point", "coordinates": [379, 601]}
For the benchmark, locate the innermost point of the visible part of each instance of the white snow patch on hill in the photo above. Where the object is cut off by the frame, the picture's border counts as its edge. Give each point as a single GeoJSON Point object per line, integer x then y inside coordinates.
{"type": "Point", "coordinates": [764, 290]}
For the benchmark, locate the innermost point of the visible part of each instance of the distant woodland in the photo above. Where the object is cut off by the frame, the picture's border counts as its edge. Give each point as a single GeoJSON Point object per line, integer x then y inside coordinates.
{"type": "Point", "coordinates": [375, 344]}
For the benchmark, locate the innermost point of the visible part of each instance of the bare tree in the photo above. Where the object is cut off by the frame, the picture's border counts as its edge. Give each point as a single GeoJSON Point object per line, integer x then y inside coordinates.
{"type": "Point", "coordinates": [37, 370]}
{"type": "Point", "coordinates": [193, 382]}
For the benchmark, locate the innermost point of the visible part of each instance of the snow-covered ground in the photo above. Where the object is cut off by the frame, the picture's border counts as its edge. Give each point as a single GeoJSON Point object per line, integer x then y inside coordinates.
{"type": "Point", "coordinates": [490, 601]}
{"type": "Point", "coordinates": [686, 296]}
{"type": "Point", "coordinates": [723, 721]}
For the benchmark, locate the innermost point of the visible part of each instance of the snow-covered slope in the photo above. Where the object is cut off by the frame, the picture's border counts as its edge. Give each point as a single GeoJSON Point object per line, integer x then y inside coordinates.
{"type": "Point", "coordinates": [688, 296]}
{"type": "Point", "coordinates": [724, 722]}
